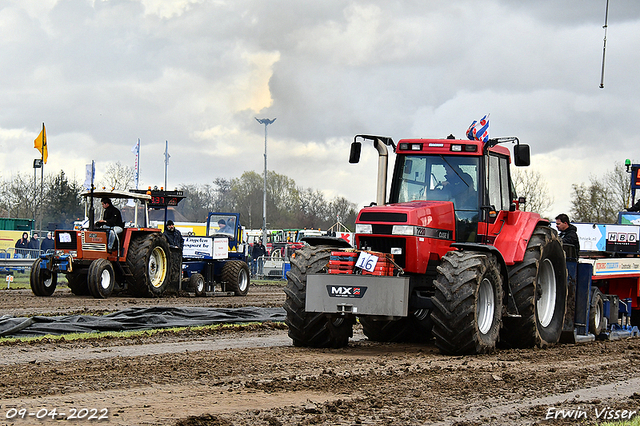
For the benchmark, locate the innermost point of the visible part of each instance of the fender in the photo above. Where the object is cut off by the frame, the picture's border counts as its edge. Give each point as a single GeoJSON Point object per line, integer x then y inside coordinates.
{"type": "Point", "coordinates": [514, 237]}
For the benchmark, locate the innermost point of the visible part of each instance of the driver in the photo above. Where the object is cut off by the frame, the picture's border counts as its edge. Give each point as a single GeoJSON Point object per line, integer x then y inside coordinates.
{"type": "Point", "coordinates": [224, 227]}
{"type": "Point", "coordinates": [457, 185]}
{"type": "Point", "coordinates": [111, 220]}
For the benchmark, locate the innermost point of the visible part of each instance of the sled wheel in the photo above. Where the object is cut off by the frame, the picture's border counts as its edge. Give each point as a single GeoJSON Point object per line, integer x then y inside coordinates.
{"type": "Point", "coordinates": [101, 278]}
{"type": "Point", "coordinates": [235, 273]}
{"type": "Point", "coordinates": [43, 282]}
{"type": "Point", "coordinates": [196, 283]}
{"type": "Point", "coordinates": [596, 312]}
{"type": "Point", "coordinates": [539, 290]}
{"type": "Point", "coordinates": [310, 328]}
{"type": "Point", "coordinates": [468, 303]}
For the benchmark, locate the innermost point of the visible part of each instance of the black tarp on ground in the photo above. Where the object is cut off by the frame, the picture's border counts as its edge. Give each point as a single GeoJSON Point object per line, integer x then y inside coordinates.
{"type": "Point", "coordinates": [135, 319]}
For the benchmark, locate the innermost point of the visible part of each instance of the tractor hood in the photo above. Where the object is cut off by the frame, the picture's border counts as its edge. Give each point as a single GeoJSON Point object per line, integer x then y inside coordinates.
{"type": "Point", "coordinates": [427, 214]}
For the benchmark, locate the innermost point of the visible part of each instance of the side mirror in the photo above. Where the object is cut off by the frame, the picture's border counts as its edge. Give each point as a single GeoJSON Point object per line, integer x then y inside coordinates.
{"type": "Point", "coordinates": [354, 154]}
{"type": "Point", "coordinates": [521, 155]}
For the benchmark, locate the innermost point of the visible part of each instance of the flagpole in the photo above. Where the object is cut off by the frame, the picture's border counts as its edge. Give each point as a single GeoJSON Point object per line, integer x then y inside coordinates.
{"type": "Point", "coordinates": [166, 163]}
{"type": "Point", "coordinates": [44, 144]}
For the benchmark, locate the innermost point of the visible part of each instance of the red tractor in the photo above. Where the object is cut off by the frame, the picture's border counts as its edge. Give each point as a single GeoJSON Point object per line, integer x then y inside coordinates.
{"type": "Point", "coordinates": [449, 256]}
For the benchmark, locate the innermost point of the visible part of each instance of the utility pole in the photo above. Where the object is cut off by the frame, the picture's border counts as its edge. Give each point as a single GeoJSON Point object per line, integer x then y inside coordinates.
{"type": "Point", "coordinates": [266, 122]}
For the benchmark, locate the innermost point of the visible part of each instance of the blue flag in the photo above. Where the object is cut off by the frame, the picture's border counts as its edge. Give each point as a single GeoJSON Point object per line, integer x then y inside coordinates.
{"type": "Point", "coordinates": [479, 130]}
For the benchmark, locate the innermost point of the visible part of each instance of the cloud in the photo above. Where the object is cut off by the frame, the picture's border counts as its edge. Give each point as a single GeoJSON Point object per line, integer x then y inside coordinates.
{"type": "Point", "coordinates": [195, 73]}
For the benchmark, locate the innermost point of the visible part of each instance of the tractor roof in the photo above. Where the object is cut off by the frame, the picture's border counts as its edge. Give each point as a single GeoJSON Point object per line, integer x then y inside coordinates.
{"type": "Point", "coordinates": [117, 194]}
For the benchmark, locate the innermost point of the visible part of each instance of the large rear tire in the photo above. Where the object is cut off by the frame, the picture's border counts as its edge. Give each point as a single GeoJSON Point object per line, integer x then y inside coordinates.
{"type": "Point", "coordinates": [148, 260]}
{"type": "Point", "coordinates": [43, 282]}
{"type": "Point", "coordinates": [415, 328]}
{"type": "Point", "coordinates": [101, 278]}
{"type": "Point", "coordinates": [77, 283]}
{"type": "Point", "coordinates": [235, 273]}
{"type": "Point", "coordinates": [539, 290]}
{"type": "Point", "coordinates": [468, 303]}
{"type": "Point", "coordinates": [310, 328]}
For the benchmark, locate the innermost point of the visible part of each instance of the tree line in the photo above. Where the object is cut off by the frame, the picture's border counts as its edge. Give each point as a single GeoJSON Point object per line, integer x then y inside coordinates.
{"type": "Point", "coordinates": [597, 201]}
{"type": "Point", "coordinates": [58, 200]}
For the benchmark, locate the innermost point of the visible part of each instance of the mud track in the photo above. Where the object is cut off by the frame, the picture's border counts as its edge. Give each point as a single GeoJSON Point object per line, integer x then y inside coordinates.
{"type": "Point", "coordinates": [252, 375]}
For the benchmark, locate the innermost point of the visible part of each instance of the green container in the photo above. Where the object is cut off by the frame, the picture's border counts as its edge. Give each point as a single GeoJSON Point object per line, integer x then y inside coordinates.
{"type": "Point", "coordinates": [12, 224]}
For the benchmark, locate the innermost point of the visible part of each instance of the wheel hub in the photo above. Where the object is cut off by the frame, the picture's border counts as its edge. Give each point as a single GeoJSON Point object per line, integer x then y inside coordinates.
{"type": "Point", "coordinates": [486, 306]}
{"type": "Point", "coordinates": [546, 294]}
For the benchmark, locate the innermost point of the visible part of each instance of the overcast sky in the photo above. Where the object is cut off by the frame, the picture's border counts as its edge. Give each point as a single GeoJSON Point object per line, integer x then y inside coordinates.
{"type": "Point", "coordinates": [101, 74]}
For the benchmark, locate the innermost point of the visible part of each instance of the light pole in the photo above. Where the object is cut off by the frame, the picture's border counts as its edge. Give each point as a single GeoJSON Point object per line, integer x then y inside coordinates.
{"type": "Point", "coordinates": [266, 122]}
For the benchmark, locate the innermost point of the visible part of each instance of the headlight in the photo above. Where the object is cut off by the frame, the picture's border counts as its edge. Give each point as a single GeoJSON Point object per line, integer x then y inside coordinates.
{"type": "Point", "coordinates": [364, 228]}
{"type": "Point", "coordinates": [396, 250]}
{"type": "Point", "coordinates": [403, 230]}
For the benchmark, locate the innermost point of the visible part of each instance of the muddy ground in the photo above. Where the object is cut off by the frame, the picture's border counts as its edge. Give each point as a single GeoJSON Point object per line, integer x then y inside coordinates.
{"type": "Point", "coordinates": [252, 375]}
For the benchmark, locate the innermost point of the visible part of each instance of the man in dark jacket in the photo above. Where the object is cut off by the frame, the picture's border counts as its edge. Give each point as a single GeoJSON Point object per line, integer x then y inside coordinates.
{"type": "Point", "coordinates": [47, 243]}
{"type": "Point", "coordinates": [34, 245]}
{"type": "Point", "coordinates": [111, 219]}
{"type": "Point", "coordinates": [173, 236]}
{"type": "Point", "coordinates": [257, 252]}
{"type": "Point", "coordinates": [568, 232]}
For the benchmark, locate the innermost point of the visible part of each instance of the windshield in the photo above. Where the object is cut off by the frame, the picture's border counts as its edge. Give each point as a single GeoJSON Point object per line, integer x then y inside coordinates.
{"type": "Point", "coordinates": [222, 224]}
{"type": "Point", "coordinates": [438, 177]}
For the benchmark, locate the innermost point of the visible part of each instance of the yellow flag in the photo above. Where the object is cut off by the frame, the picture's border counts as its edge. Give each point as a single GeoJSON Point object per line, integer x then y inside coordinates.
{"type": "Point", "coordinates": [41, 144]}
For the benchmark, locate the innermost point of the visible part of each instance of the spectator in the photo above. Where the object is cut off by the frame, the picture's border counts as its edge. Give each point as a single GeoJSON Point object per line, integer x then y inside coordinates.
{"type": "Point", "coordinates": [48, 243]}
{"type": "Point", "coordinates": [173, 236]}
{"type": "Point", "coordinates": [22, 245]}
{"type": "Point", "coordinates": [34, 245]}
{"type": "Point", "coordinates": [111, 220]}
{"type": "Point", "coordinates": [568, 232]}
{"type": "Point", "coordinates": [257, 255]}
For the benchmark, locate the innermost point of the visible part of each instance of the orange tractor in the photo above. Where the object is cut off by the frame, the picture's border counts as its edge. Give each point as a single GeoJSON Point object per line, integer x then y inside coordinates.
{"type": "Point", "coordinates": [140, 262]}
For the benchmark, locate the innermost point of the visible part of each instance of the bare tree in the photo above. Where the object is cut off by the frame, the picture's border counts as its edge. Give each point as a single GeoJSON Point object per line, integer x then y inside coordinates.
{"type": "Point", "coordinates": [531, 185]}
{"type": "Point", "coordinates": [618, 183]}
{"type": "Point", "coordinates": [118, 177]}
{"type": "Point", "coordinates": [602, 199]}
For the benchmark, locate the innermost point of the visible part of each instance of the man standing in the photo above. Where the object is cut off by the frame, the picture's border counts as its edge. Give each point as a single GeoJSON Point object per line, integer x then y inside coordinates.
{"type": "Point", "coordinates": [111, 219]}
{"type": "Point", "coordinates": [47, 243]}
{"type": "Point", "coordinates": [34, 245]}
{"type": "Point", "coordinates": [568, 232]}
{"type": "Point", "coordinates": [257, 257]}
{"type": "Point", "coordinates": [173, 236]}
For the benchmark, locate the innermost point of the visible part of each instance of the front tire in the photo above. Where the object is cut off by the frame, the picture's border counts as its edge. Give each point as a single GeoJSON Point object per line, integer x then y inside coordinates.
{"type": "Point", "coordinates": [539, 289]}
{"type": "Point", "coordinates": [148, 260]}
{"type": "Point", "coordinates": [312, 329]}
{"type": "Point", "coordinates": [43, 282]}
{"type": "Point", "coordinates": [468, 303]}
{"type": "Point", "coordinates": [101, 278]}
{"type": "Point", "coordinates": [235, 273]}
